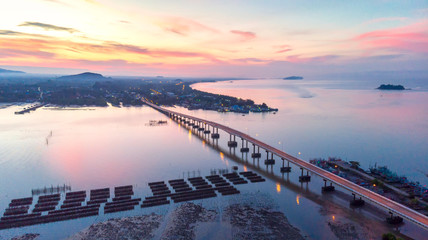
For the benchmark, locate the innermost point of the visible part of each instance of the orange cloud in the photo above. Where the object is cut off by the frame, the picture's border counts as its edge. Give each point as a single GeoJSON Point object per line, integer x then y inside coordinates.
{"type": "Point", "coordinates": [18, 48]}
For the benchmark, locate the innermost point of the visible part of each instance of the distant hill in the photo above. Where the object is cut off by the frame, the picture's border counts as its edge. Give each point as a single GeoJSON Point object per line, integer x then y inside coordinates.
{"type": "Point", "coordinates": [9, 71]}
{"type": "Point", "coordinates": [390, 87]}
{"type": "Point", "coordinates": [293, 78]}
{"type": "Point", "coordinates": [83, 77]}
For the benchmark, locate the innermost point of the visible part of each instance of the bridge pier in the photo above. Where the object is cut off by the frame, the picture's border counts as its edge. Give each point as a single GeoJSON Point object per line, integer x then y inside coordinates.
{"type": "Point", "coordinates": [207, 130]}
{"type": "Point", "coordinates": [256, 154]}
{"type": "Point", "coordinates": [327, 188]}
{"type": "Point", "coordinates": [195, 124]}
{"type": "Point", "coordinates": [215, 134]}
{"type": "Point", "coordinates": [232, 143]}
{"type": "Point", "coordinates": [200, 127]}
{"type": "Point", "coordinates": [356, 202]}
{"type": "Point", "coordinates": [304, 178]}
{"type": "Point", "coordinates": [394, 220]}
{"type": "Point", "coordinates": [271, 160]}
{"type": "Point", "coordinates": [244, 149]}
{"type": "Point", "coordinates": [285, 169]}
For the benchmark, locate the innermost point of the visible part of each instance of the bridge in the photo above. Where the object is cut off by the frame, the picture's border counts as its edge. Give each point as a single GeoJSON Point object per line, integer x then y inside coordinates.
{"type": "Point", "coordinates": [202, 124]}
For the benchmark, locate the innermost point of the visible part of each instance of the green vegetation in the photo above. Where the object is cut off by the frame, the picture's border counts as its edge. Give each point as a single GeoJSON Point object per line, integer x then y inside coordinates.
{"type": "Point", "coordinates": [390, 236]}
{"type": "Point", "coordinates": [390, 87]}
{"type": "Point", "coordinates": [414, 201]}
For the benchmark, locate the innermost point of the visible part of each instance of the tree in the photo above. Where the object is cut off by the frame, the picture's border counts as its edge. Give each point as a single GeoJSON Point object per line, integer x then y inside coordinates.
{"type": "Point", "coordinates": [354, 164]}
{"type": "Point", "coordinates": [388, 236]}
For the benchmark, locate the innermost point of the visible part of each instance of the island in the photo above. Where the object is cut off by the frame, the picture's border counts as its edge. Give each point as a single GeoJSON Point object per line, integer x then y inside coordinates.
{"type": "Point", "coordinates": [390, 87]}
{"type": "Point", "coordinates": [293, 78]}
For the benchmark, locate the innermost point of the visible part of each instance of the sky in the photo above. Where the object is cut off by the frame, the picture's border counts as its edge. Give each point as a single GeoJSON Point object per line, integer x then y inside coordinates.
{"type": "Point", "coordinates": [218, 38]}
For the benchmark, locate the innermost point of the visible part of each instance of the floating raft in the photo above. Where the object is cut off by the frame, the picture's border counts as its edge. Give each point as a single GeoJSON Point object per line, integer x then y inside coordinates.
{"type": "Point", "coordinates": [235, 178]}
{"type": "Point", "coordinates": [252, 177]}
{"type": "Point", "coordinates": [77, 204]}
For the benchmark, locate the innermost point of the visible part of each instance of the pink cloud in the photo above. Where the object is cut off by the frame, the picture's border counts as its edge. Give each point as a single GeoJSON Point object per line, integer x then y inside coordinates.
{"type": "Point", "coordinates": [244, 35]}
{"type": "Point", "coordinates": [412, 38]}
{"type": "Point", "coordinates": [284, 50]}
{"type": "Point", "coordinates": [282, 46]}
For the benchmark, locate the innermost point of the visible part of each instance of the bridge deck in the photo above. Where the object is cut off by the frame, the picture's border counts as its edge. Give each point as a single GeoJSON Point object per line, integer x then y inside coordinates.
{"type": "Point", "coordinates": [389, 204]}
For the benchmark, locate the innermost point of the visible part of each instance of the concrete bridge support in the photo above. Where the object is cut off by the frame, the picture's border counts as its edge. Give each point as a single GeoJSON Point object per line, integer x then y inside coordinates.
{"type": "Point", "coordinates": [232, 143]}
{"type": "Point", "coordinates": [271, 160]}
{"type": "Point", "coordinates": [356, 202]}
{"type": "Point", "coordinates": [244, 149]}
{"type": "Point", "coordinates": [256, 154]}
{"type": "Point", "coordinates": [195, 124]}
{"type": "Point", "coordinates": [327, 188]}
{"type": "Point", "coordinates": [394, 220]}
{"type": "Point", "coordinates": [207, 130]}
{"type": "Point", "coordinates": [304, 178]}
{"type": "Point", "coordinates": [200, 127]}
{"type": "Point", "coordinates": [285, 169]}
{"type": "Point", "coordinates": [215, 134]}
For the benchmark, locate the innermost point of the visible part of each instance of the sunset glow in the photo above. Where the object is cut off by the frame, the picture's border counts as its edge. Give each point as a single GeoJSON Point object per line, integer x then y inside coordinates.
{"type": "Point", "coordinates": [218, 38]}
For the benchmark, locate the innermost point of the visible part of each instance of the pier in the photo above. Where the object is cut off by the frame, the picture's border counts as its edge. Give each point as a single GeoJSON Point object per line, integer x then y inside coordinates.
{"type": "Point", "coordinates": [32, 108]}
{"type": "Point", "coordinates": [354, 189]}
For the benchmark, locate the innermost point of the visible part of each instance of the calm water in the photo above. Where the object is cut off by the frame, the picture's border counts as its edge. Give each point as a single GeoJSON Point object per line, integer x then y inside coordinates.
{"type": "Point", "coordinates": [106, 147]}
{"type": "Point", "coordinates": [347, 119]}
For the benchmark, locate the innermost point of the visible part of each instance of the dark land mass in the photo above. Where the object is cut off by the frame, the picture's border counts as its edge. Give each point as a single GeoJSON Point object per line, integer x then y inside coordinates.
{"type": "Point", "coordinates": [391, 87]}
{"type": "Point", "coordinates": [9, 71]}
{"type": "Point", "coordinates": [293, 78]}
{"type": "Point", "coordinates": [86, 77]}
{"type": "Point", "coordinates": [91, 89]}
